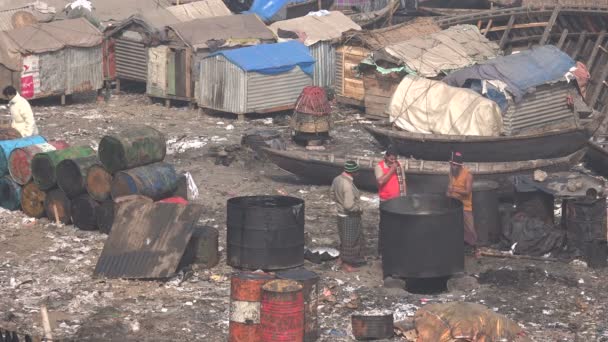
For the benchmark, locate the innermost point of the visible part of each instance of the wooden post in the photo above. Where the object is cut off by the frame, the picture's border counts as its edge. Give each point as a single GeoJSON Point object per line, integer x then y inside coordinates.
{"type": "Point", "coordinates": [117, 85]}
{"type": "Point", "coordinates": [485, 33]}
{"type": "Point", "coordinates": [545, 37]}
{"type": "Point", "coordinates": [63, 100]}
{"type": "Point", "coordinates": [562, 39]}
{"type": "Point", "coordinates": [596, 48]}
{"type": "Point", "coordinates": [579, 44]}
{"type": "Point", "coordinates": [168, 103]}
{"type": "Point", "coordinates": [599, 85]}
{"type": "Point", "coordinates": [319, 6]}
{"type": "Point", "coordinates": [46, 323]}
{"type": "Point", "coordinates": [505, 35]}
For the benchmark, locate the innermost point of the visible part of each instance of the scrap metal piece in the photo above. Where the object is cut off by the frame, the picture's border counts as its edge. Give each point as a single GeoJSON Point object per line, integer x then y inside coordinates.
{"type": "Point", "coordinates": [147, 240]}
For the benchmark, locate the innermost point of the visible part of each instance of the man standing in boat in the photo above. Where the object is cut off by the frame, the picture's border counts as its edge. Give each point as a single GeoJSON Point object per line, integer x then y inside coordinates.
{"type": "Point", "coordinates": [460, 187]}
{"type": "Point", "coordinates": [390, 176]}
{"type": "Point", "coordinates": [348, 211]}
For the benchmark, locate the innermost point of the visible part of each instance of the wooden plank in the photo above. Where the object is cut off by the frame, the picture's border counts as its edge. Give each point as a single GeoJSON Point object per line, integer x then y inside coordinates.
{"type": "Point", "coordinates": [579, 44]}
{"type": "Point", "coordinates": [562, 38]}
{"type": "Point", "coordinates": [189, 71]}
{"type": "Point", "coordinates": [549, 27]}
{"type": "Point", "coordinates": [171, 73]}
{"type": "Point", "coordinates": [596, 49]}
{"type": "Point", "coordinates": [518, 26]}
{"type": "Point", "coordinates": [505, 35]}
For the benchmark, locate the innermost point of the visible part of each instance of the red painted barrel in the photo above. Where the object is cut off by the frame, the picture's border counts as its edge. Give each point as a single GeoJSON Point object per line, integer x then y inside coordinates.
{"type": "Point", "coordinates": [20, 159]}
{"type": "Point", "coordinates": [282, 311]}
{"type": "Point", "coordinates": [245, 302]}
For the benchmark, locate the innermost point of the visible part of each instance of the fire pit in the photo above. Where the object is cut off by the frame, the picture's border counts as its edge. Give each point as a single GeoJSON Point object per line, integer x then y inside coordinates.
{"type": "Point", "coordinates": [422, 236]}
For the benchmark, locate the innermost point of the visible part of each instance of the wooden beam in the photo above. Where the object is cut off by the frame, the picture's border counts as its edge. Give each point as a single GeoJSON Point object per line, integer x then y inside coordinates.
{"type": "Point", "coordinates": [518, 26]}
{"type": "Point", "coordinates": [596, 49]}
{"type": "Point", "coordinates": [505, 35]}
{"type": "Point", "coordinates": [579, 44]}
{"type": "Point", "coordinates": [562, 39]}
{"type": "Point", "coordinates": [549, 27]}
{"type": "Point", "coordinates": [488, 27]}
{"type": "Point", "coordinates": [479, 24]}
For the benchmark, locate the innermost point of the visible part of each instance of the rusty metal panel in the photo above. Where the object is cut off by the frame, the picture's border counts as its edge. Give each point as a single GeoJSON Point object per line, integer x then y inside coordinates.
{"type": "Point", "coordinates": [53, 73]}
{"type": "Point", "coordinates": [222, 85]}
{"type": "Point", "coordinates": [545, 106]}
{"type": "Point", "coordinates": [272, 91]}
{"type": "Point", "coordinates": [324, 54]}
{"type": "Point", "coordinates": [157, 71]}
{"type": "Point", "coordinates": [147, 240]}
{"type": "Point", "coordinates": [85, 69]}
{"type": "Point", "coordinates": [131, 60]}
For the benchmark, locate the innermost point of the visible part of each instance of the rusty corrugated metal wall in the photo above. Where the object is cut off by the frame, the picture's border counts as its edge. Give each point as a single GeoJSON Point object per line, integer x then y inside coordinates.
{"type": "Point", "coordinates": [53, 73]}
{"type": "Point", "coordinates": [324, 54]}
{"type": "Point", "coordinates": [270, 91]}
{"type": "Point", "coordinates": [85, 69]}
{"type": "Point", "coordinates": [222, 85]}
{"type": "Point", "coordinates": [545, 106]}
{"type": "Point", "coordinates": [131, 60]}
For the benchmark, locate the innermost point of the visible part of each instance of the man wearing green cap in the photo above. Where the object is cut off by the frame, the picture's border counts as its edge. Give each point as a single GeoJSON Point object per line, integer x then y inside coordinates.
{"type": "Point", "coordinates": [348, 210]}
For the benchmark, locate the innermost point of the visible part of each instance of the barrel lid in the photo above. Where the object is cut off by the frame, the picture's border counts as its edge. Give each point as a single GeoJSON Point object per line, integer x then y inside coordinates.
{"type": "Point", "coordinates": [300, 274]}
{"type": "Point", "coordinates": [282, 286]}
{"type": "Point", "coordinates": [252, 275]}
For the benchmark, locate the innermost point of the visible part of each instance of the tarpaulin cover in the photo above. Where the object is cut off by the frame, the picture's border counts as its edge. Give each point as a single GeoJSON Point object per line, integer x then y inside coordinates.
{"type": "Point", "coordinates": [318, 28]}
{"type": "Point", "coordinates": [441, 52]}
{"type": "Point", "coordinates": [197, 33]}
{"type": "Point", "coordinates": [266, 9]}
{"type": "Point", "coordinates": [271, 59]}
{"type": "Point", "coordinates": [421, 105]}
{"type": "Point", "coordinates": [521, 71]}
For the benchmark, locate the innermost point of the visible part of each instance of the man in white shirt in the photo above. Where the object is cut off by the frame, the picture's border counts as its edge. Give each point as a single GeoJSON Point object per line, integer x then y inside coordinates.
{"type": "Point", "coordinates": [21, 113]}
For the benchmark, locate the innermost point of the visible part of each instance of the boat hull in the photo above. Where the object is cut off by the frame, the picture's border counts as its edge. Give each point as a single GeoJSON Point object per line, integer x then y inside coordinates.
{"type": "Point", "coordinates": [483, 149]}
{"type": "Point", "coordinates": [422, 177]}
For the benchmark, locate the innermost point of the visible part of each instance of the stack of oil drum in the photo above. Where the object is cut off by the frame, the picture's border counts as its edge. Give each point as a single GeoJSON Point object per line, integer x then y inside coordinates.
{"type": "Point", "coordinates": [267, 233]}
{"type": "Point", "coordinates": [74, 184]}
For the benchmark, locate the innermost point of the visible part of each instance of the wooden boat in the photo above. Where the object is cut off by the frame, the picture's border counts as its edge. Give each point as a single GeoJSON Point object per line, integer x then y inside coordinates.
{"type": "Point", "coordinates": [375, 19]}
{"type": "Point", "coordinates": [423, 176]}
{"type": "Point", "coordinates": [542, 145]}
{"type": "Point", "coordinates": [596, 158]}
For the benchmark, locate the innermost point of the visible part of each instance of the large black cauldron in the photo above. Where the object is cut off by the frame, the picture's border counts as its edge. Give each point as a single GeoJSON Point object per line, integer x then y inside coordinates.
{"type": "Point", "coordinates": [265, 232]}
{"type": "Point", "coordinates": [422, 236]}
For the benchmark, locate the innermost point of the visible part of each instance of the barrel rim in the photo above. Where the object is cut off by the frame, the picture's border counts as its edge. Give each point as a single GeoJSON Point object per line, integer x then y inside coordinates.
{"type": "Point", "coordinates": [241, 201]}
{"type": "Point", "coordinates": [39, 158]}
{"type": "Point", "coordinates": [291, 286]}
{"type": "Point", "coordinates": [457, 205]}
{"type": "Point", "coordinates": [120, 152]}
{"type": "Point", "coordinates": [96, 196]}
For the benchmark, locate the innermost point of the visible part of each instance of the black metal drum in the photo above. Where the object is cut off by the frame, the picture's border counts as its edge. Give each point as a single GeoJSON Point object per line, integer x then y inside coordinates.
{"type": "Point", "coordinates": [422, 236]}
{"type": "Point", "coordinates": [265, 232]}
{"type": "Point", "coordinates": [485, 212]}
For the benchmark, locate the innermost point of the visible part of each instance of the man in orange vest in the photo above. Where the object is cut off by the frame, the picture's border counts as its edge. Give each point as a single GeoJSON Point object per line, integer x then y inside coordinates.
{"type": "Point", "coordinates": [461, 188]}
{"type": "Point", "coordinates": [390, 177]}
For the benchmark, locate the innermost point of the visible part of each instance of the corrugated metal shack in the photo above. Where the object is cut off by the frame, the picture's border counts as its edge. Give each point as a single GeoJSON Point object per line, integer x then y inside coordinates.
{"type": "Point", "coordinates": [53, 59]}
{"type": "Point", "coordinates": [258, 79]}
{"type": "Point", "coordinates": [126, 45]}
{"type": "Point", "coordinates": [358, 45]}
{"type": "Point", "coordinates": [430, 56]}
{"type": "Point", "coordinates": [172, 64]}
{"type": "Point", "coordinates": [321, 34]}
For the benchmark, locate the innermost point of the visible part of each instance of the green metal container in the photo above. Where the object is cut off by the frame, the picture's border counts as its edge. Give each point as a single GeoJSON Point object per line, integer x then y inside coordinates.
{"type": "Point", "coordinates": [131, 148]}
{"type": "Point", "coordinates": [44, 165]}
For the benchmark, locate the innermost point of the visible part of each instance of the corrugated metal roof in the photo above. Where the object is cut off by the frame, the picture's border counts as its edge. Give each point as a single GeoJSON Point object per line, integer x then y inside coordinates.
{"type": "Point", "coordinates": [199, 9]}
{"type": "Point", "coordinates": [318, 28]}
{"type": "Point", "coordinates": [377, 39]}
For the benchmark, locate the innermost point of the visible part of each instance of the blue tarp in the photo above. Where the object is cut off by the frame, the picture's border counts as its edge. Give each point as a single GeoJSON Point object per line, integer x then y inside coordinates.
{"type": "Point", "coordinates": [522, 72]}
{"type": "Point", "coordinates": [271, 59]}
{"type": "Point", "coordinates": [266, 9]}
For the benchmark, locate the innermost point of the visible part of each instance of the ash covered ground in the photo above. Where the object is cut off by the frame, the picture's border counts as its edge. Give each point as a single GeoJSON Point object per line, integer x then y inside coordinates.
{"type": "Point", "coordinates": [41, 263]}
